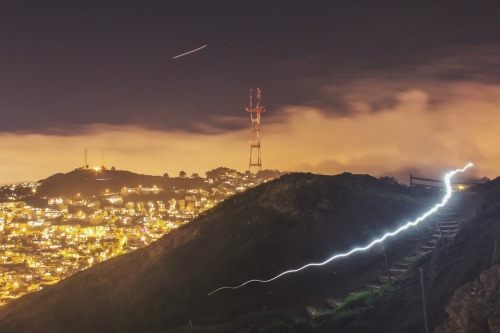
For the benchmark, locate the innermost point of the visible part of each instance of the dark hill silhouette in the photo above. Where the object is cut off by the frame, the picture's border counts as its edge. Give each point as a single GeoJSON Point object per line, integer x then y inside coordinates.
{"type": "Point", "coordinates": [89, 182]}
{"type": "Point", "coordinates": [285, 223]}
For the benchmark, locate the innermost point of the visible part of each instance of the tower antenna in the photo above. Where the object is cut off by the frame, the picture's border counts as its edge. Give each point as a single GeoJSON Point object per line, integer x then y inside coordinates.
{"type": "Point", "coordinates": [255, 155]}
{"type": "Point", "coordinates": [85, 162]}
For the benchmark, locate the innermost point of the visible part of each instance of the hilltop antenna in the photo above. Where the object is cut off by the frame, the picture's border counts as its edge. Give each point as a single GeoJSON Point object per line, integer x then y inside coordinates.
{"type": "Point", "coordinates": [85, 164]}
{"type": "Point", "coordinates": [255, 159]}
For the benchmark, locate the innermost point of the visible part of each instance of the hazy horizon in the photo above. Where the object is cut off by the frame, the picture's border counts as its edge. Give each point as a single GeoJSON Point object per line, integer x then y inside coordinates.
{"type": "Point", "coordinates": [388, 88]}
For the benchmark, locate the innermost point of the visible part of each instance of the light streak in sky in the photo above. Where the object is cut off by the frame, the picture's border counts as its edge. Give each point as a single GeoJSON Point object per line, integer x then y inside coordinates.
{"type": "Point", "coordinates": [447, 196]}
{"type": "Point", "coordinates": [188, 52]}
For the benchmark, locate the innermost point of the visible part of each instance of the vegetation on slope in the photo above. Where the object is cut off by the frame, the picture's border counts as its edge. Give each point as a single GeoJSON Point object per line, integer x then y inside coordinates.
{"type": "Point", "coordinates": [447, 268]}
{"type": "Point", "coordinates": [285, 223]}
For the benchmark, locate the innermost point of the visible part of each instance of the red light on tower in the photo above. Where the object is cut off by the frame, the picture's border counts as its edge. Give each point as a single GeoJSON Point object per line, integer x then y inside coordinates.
{"type": "Point", "coordinates": [255, 157]}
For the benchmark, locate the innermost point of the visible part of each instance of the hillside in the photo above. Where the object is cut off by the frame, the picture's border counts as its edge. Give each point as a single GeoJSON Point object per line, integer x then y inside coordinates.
{"type": "Point", "coordinates": [91, 182]}
{"type": "Point", "coordinates": [461, 280]}
{"type": "Point", "coordinates": [285, 223]}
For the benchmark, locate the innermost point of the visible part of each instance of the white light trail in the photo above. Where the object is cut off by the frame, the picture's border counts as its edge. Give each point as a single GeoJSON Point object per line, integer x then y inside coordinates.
{"type": "Point", "coordinates": [188, 52]}
{"type": "Point", "coordinates": [446, 198]}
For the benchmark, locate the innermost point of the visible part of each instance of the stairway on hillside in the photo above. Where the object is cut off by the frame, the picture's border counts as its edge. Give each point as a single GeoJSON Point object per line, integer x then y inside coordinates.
{"type": "Point", "coordinates": [444, 227]}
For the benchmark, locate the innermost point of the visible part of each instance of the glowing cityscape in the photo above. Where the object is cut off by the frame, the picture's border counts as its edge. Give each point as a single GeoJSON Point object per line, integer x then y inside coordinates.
{"type": "Point", "coordinates": [42, 246]}
{"type": "Point", "coordinates": [329, 130]}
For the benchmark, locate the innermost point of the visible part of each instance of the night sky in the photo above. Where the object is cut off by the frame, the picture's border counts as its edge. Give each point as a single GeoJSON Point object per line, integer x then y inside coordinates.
{"type": "Point", "coordinates": [379, 87]}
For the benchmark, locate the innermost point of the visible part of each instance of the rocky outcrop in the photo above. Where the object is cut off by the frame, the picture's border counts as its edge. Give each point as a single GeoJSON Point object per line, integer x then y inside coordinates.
{"type": "Point", "coordinates": [475, 306]}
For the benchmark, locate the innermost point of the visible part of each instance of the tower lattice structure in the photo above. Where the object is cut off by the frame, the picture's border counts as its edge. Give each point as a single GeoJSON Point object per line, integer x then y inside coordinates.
{"type": "Point", "coordinates": [255, 112]}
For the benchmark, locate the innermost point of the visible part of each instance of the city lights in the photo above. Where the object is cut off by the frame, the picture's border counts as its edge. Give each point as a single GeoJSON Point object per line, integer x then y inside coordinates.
{"type": "Point", "coordinates": [42, 246]}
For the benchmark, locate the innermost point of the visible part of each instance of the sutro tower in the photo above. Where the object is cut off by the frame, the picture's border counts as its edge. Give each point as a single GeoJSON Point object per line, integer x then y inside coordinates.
{"type": "Point", "coordinates": [255, 158]}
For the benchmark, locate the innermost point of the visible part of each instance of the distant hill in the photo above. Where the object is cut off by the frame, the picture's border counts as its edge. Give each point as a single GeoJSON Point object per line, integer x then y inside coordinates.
{"type": "Point", "coordinates": [285, 223]}
{"type": "Point", "coordinates": [89, 182]}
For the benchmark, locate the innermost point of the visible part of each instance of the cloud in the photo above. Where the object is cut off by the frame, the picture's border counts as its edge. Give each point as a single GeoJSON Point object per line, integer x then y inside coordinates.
{"type": "Point", "coordinates": [412, 135]}
{"type": "Point", "coordinates": [346, 88]}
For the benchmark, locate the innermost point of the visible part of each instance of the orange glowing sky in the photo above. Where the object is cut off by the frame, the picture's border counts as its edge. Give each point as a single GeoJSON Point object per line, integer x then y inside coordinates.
{"type": "Point", "coordinates": [409, 137]}
{"type": "Point", "coordinates": [384, 88]}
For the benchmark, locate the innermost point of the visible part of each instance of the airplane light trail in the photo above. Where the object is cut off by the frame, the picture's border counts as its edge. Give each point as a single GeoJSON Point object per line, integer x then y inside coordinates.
{"type": "Point", "coordinates": [449, 191]}
{"type": "Point", "coordinates": [188, 52]}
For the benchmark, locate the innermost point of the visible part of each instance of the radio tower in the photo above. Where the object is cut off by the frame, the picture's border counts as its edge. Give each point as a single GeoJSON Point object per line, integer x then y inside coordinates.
{"type": "Point", "coordinates": [255, 158]}
{"type": "Point", "coordinates": [85, 164]}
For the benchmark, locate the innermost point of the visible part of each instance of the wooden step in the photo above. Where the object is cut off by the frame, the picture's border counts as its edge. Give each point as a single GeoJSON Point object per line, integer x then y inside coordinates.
{"type": "Point", "coordinates": [423, 252]}
{"type": "Point", "coordinates": [385, 279]}
{"type": "Point", "coordinates": [446, 218]}
{"type": "Point", "coordinates": [449, 220]}
{"type": "Point", "coordinates": [311, 311]}
{"type": "Point", "coordinates": [449, 226]}
{"type": "Point", "coordinates": [444, 228]}
{"type": "Point", "coordinates": [397, 271]}
{"type": "Point", "coordinates": [446, 213]}
{"type": "Point", "coordinates": [402, 264]}
{"type": "Point", "coordinates": [444, 235]}
{"type": "Point", "coordinates": [373, 286]}
{"type": "Point", "coordinates": [333, 303]}
{"type": "Point", "coordinates": [449, 231]}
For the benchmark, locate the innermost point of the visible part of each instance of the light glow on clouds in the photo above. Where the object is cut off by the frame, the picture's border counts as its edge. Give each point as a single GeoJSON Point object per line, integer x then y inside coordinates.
{"type": "Point", "coordinates": [412, 136]}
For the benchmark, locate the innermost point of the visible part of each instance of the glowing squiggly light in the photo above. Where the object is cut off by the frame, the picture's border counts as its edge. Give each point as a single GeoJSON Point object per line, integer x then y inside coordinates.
{"type": "Point", "coordinates": [446, 198]}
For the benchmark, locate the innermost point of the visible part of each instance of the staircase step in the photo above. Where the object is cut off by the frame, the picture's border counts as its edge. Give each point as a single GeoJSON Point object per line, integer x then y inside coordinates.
{"type": "Point", "coordinates": [444, 235]}
{"type": "Point", "coordinates": [446, 218]}
{"type": "Point", "coordinates": [449, 219]}
{"type": "Point", "coordinates": [373, 286]}
{"type": "Point", "coordinates": [423, 252]}
{"type": "Point", "coordinates": [445, 231]}
{"type": "Point", "coordinates": [333, 303]}
{"type": "Point", "coordinates": [385, 279]}
{"type": "Point", "coordinates": [447, 213]}
{"type": "Point", "coordinates": [449, 226]}
{"type": "Point", "coordinates": [445, 228]}
{"type": "Point", "coordinates": [403, 264]}
{"type": "Point", "coordinates": [397, 271]}
{"type": "Point", "coordinates": [311, 311]}
{"type": "Point", "coordinates": [427, 248]}
{"type": "Point", "coordinates": [449, 232]}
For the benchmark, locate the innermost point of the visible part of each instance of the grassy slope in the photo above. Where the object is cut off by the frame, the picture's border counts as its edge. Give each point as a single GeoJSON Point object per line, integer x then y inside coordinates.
{"type": "Point", "coordinates": [287, 222]}
{"type": "Point", "coordinates": [400, 308]}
